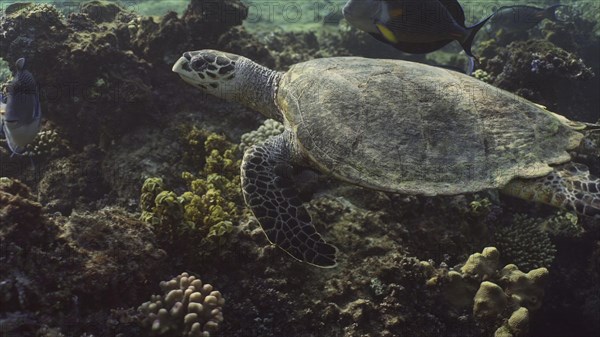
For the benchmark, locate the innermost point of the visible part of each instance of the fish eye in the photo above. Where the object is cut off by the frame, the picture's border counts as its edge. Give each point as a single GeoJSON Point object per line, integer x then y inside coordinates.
{"type": "Point", "coordinates": [199, 64]}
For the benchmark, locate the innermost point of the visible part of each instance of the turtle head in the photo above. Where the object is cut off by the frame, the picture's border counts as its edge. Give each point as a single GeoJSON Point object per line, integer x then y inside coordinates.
{"type": "Point", "coordinates": [211, 71]}
{"type": "Point", "coordinates": [231, 77]}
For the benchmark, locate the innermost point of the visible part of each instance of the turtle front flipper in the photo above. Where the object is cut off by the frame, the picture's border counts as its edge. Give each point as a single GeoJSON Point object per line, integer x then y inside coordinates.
{"type": "Point", "coordinates": [569, 186]}
{"type": "Point", "coordinates": [269, 192]}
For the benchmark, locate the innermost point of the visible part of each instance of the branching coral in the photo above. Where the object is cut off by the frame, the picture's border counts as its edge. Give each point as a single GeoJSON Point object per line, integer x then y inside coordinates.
{"type": "Point", "coordinates": [525, 244]}
{"type": "Point", "coordinates": [187, 308]}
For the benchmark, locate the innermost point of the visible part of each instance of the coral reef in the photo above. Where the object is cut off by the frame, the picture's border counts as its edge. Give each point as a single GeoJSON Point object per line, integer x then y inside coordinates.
{"type": "Point", "coordinates": [57, 270]}
{"type": "Point", "coordinates": [576, 34]}
{"type": "Point", "coordinates": [563, 224]}
{"type": "Point", "coordinates": [75, 267]}
{"type": "Point", "coordinates": [118, 249]}
{"type": "Point", "coordinates": [489, 301]}
{"type": "Point", "coordinates": [588, 151]}
{"type": "Point", "coordinates": [203, 24]}
{"type": "Point", "coordinates": [187, 308]}
{"type": "Point", "coordinates": [482, 75]}
{"type": "Point", "coordinates": [269, 128]}
{"type": "Point", "coordinates": [501, 295]}
{"type": "Point", "coordinates": [572, 299]}
{"type": "Point", "coordinates": [93, 79]}
{"type": "Point", "coordinates": [105, 60]}
{"type": "Point", "coordinates": [46, 144]}
{"type": "Point", "coordinates": [544, 73]}
{"type": "Point", "coordinates": [516, 325]}
{"type": "Point", "coordinates": [73, 182]}
{"type": "Point", "coordinates": [202, 217]}
{"type": "Point", "coordinates": [525, 243]}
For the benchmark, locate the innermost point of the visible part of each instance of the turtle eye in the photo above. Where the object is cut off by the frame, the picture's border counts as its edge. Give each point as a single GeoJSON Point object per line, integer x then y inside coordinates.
{"type": "Point", "coordinates": [199, 64]}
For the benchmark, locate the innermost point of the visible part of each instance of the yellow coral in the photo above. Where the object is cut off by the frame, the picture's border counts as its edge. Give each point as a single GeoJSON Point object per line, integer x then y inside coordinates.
{"type": "Point", "coordinates": [490, 301]}
{"type": "Point", "coordinates": [205, 212]}
{"type": "Point", "coordinates": [519, 321]}
{"type": "Point", "coordinates": [482, 265]}
{"type": "Point", "coordinates": [494, 294]}
{"type": "Point", "coordinates": [525, 289]}
{"type": "Point", "coordinates": [223, 157]}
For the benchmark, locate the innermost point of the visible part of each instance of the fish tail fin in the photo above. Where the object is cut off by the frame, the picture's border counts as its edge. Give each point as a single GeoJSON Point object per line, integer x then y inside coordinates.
{"type": "Point", "coordinates": [466, 44]}
{"type": "Point", "coordinates": [471, 66]}
{"type": "Point", "coordinates": [551, 13]}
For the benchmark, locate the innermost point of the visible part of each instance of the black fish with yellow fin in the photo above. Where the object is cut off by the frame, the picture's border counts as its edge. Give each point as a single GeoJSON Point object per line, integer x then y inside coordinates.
{"type": "Point", "coordinates": [413, 26]}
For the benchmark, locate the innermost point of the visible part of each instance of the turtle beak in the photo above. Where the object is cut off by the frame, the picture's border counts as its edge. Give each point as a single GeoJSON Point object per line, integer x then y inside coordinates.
{"type": "Point", "coordinates": [178, 66]}
{"type": "Point", "coordinates": [183, 69]}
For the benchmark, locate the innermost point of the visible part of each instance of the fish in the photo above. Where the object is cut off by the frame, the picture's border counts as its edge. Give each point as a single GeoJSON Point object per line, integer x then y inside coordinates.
{"type": "Point", "coordinates": [22, 113]}
{"type": "Point", "coordinates": [518, 18]}
{"type": "Point", "coordinates": [413, 26]}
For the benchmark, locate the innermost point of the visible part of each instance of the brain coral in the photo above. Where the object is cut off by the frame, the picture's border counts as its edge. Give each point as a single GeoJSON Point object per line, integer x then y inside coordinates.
{"type": "Point", "coordinates": [187, 308]}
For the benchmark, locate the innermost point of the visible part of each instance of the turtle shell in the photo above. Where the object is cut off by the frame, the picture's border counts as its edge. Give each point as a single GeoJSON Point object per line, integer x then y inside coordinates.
{"type": "Point", "coordinates": [412, 128]}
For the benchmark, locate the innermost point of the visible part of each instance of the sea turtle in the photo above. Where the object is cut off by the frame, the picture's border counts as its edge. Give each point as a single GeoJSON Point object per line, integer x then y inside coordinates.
{"type": "Point", "coordinates": [393, 126]}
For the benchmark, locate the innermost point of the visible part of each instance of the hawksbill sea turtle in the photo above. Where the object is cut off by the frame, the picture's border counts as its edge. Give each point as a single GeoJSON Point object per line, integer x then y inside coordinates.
{"type": "Point", "coordinates": [393, 126]}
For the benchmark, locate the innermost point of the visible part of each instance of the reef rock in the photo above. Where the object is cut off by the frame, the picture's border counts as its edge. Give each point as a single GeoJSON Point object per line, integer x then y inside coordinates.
{"type": "Point", "coordinates": [57, 270]}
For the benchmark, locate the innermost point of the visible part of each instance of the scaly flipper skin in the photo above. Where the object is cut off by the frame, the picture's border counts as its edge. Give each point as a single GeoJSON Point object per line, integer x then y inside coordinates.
{"type": "Point", "coordinates": [569, 186]}
{"type": "Point", "coordinates": [269, 192]}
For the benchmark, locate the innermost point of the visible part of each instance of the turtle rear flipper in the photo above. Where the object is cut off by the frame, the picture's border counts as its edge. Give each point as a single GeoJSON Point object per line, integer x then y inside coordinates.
{"type": "Point", "coordinates": [569, 186]}
{"type": "Point", "coordinates": [270, 194]}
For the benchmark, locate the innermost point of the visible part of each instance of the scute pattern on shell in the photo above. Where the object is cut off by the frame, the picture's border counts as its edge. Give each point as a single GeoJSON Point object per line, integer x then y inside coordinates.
{"type": "Point", "coordinates": [407, 127]}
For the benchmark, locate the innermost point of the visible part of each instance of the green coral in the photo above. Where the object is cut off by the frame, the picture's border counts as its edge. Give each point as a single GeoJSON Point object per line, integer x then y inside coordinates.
{"type": "Point", "coordinates": [47, 143]}
{"type": "Point", "coordinates": [525, 243]}
{"type": "Point", "coordinates": [194, 153]}
{"type": "Point", "coordinates": [480, 205]}
{"type": "Point", "coordinates": [203, 216]}
{"type": "Point", "coordinates": [482, 75]}
{"type": "Point", "coordinates": [269, 128]}
{"type": "Point", "coordinates": [151, 188]}
{"type": "Point", "coordinates": [223, 157]}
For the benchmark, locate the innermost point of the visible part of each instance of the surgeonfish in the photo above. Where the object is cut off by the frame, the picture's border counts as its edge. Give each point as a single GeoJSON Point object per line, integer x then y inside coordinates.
{"type": "Point", "coordinates": [413, 26]}
{"type": "Point", "coordinates": [520, 18]}
{"type": "Point", "coordinates": [22, 113]}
